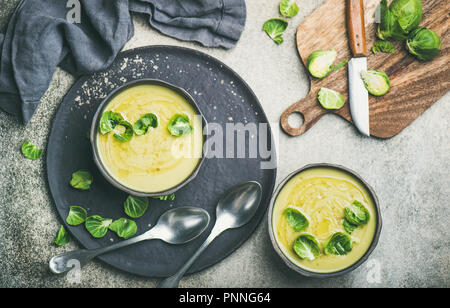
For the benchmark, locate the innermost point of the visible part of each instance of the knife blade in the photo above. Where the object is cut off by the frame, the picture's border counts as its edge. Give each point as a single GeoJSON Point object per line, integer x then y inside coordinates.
{"type": "Point", "coordinates": [358, 95]}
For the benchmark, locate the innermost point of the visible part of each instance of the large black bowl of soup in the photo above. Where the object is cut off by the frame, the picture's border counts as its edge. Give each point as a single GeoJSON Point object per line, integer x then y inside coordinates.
{"type": "Point", "coordinates": [147, 138]}
{"type": "Point", "coordinates": [324, 220]}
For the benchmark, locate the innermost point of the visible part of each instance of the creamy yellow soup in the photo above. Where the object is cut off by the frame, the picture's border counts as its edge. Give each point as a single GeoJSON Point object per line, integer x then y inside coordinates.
{"type": "Point", "coordinates": [321, 194]}
{"type": "Point", "coordinates": [156, 161]}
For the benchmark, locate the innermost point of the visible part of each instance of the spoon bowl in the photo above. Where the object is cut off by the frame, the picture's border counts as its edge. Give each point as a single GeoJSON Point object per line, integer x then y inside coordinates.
{"type": "Point", "coordinates": [181, 225]}
{"type": "Point", "coordinates": [239, 204]}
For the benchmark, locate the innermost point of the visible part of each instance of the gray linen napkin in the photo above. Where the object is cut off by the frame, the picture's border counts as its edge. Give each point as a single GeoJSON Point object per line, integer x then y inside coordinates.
{"type": "Point", "coordinates": [39, 37]}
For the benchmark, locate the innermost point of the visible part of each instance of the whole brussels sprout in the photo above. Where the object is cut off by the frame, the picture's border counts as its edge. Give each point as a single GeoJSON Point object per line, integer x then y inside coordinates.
{"type": "Point", "coordinates": [400, 18]}
{"type": "Point", "coordinates": [424, 43]}
{"type": "Point", "coordinates": [320, 62]}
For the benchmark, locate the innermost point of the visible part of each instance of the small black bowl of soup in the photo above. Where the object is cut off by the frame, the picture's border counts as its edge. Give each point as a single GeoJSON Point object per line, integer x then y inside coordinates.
{"type": "Point", "coordinates": [147, 138]}
{"type": "Point", "coordinates": [324, 220]}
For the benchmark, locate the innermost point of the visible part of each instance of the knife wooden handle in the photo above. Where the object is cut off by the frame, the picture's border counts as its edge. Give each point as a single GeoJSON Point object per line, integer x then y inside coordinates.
{"type": "Point", "coordinates": [356, 28]}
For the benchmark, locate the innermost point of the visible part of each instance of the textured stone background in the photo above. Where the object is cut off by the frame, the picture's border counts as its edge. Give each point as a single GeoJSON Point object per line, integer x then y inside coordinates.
{"type": "Point", "coordinates": [409, 172]}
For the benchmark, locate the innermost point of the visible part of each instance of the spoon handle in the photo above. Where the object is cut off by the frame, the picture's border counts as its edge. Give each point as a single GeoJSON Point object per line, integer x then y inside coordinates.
{"type": "Point", "coordinates": [174, 280]}
{"type": "Point", "coordinates": [64, 262]}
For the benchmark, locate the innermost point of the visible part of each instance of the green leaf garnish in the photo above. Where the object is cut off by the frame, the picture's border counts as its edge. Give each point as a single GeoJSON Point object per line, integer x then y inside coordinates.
{"type": "Point", "coordinates": [295, 219]}
{"type": "Point", "coordinates": [339, 244]}
{"type": "Point", "coordinates": [383, 46]}
{"type": "Point", "coordinates": [307, 247]}
{"type": "Point", "coordinates": [125, 228]}
{"type": "Point", "coordinates": [356, 214]}
{"type": "Point", "coordinates": [81, 179]}
{"type": "Point", "coordinates": [123, 131]}
{"type": "Point", "coordinates": [31, 151]}
{"type": "Point", "coordinates": [165, 198]}
{"type": "Point", "coordinates": [144, 123]}
{"type": "Point", "coordinates": [179, 125]}
{"type": "Point", "coordinates": [135, 207]}
{"type": "Point", "coordinates": [97, 226]}
{"type": "Point", "coordinates": [62, 238]}
{"type": "Point", "coordinates": [77, 215]}
{"type": "Point", "coordinates": [288, 8]}
{"type": "Point", "coordinates": [109, 121]}
{"type": "Point", "coordinates": [275, 28]}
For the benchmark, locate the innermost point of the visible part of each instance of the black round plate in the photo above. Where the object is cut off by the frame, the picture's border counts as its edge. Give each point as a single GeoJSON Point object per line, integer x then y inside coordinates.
{"type": "Point", "coordinates": [223, 98]}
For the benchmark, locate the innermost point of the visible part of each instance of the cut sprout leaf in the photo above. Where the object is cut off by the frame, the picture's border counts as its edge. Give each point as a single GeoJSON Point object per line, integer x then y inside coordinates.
{"type": "Point", "coordinates": [339, 244]}
{"type": "Point", "coordinates": [179, 125]}
{"type": "Point", "coordinates": [383, 46]}
{"type": "Point", "coordinates": [357, 214]}
{"type": "Point", "coordinates": [62, 238]}
{"type": "Point", "coordinates": [81, 179]}
{"type": "Point", "coordinates": [97, 226]}
{"type": "Point", "coordinates": [307, 247]}
{"type": "Point", "coordinates": [275, 28]}
{"type": "Point", "coordinates": [109, 121]}
{"type": "Point", "coordinates": [125, 228]}
{"type": "Point", "coordinates": [77, 215]}
{"type": "Point", "coordinates": [296, 219]}
{"type": "Point", "coordinates": [135, 207]}
{"type": "Point", "coordinates": [123, 132]}
{"type": "Point", "coordinates": [288, 8]}
{"type": "Point", "coordinates": [30, 151]}
{"type": "Point", "coordinates": [144, 123]}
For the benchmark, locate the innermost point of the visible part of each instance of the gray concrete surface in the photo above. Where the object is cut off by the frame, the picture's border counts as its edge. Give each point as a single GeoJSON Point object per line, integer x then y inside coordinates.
{"type": "Point", "coordinates": [410, 173]}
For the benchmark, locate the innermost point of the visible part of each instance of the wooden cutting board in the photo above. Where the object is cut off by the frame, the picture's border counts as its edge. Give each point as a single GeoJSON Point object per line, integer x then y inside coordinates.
{"type": "Point", "coordinates": [415, 85]}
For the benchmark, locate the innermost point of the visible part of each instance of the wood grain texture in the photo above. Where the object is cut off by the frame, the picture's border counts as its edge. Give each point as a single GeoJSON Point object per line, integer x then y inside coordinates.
{"type": "Point", "coordinates": [415, 85]}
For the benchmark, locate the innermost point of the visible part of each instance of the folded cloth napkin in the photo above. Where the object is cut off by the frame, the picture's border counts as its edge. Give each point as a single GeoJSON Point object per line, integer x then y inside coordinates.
{"type": "Point", "coordinates": [44, 34]}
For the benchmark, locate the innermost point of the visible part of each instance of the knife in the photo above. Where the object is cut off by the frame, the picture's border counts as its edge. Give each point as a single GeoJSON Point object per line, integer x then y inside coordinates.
{"type": "Point", "coordinates": [358, 95]}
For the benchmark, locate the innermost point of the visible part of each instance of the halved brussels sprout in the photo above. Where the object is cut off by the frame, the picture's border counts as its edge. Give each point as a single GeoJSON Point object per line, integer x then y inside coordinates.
{"type": "Point", "coordinates": [400, 18]}
{"type": "Point", "coordinates": [424, 43]}
{"type": "Point", "coordinates": [376, 82]}
{"type": "Point", "coordinates": [320, 62]}
{"type": "Point", "coordinates": [330, 99]}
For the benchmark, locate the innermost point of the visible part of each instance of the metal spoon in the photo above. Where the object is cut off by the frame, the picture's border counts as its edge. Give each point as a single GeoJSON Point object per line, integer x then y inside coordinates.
{"type": "Point", "coordinates": [234, 210]}
{"type": "Point", "coordinates": [176, 226]}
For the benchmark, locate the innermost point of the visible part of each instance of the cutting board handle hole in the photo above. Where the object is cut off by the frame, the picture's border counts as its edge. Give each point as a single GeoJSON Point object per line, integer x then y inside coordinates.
{"type": "Point", "coordinates": [296, 120]}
